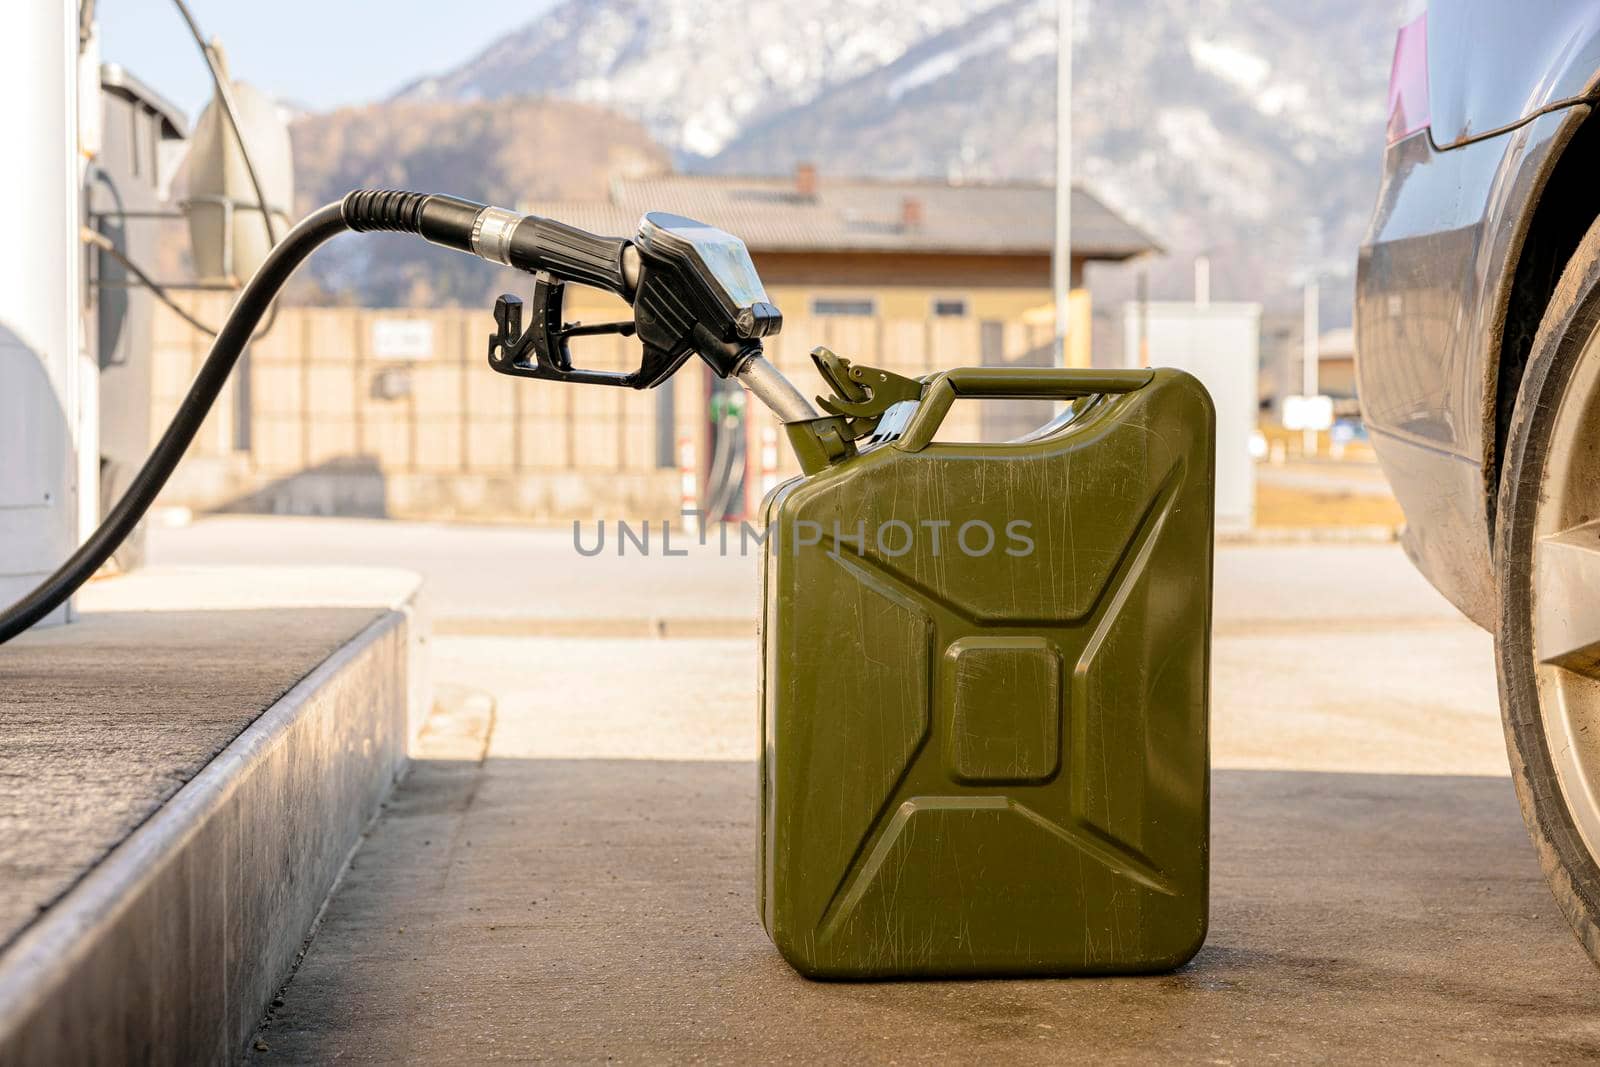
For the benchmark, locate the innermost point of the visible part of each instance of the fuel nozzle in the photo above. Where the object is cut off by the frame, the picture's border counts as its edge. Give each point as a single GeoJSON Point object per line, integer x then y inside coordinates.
{"type": "Point", "coordinates": [693, 289]}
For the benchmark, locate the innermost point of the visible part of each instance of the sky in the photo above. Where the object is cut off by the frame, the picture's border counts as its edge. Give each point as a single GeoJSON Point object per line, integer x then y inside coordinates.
{"type": "Point", "coordinates": [319, 54]}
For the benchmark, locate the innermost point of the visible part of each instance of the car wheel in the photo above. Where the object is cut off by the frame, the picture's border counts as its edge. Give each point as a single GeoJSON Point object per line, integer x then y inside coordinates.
{"type": "Point", "coordinates": [1547, 549]}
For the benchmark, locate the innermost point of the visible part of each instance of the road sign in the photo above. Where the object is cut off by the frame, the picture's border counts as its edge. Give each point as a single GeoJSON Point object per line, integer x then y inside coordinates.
{"type": "Point", "coordinates": [402, 339]}
{"type": "Point", "coordinates": [1307, 412]}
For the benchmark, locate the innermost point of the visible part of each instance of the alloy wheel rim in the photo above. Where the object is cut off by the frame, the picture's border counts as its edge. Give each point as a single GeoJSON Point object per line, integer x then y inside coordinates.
{"type": "Point", "coordinates": [1565, 575]}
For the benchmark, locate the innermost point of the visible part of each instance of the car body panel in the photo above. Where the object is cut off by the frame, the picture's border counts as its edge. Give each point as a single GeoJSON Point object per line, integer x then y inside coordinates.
{"type": "Point", "coordinates": [1494, 63]}
{"type": "Point", "coordinates": [1442, 496]}
{"type": "Point", "coordinates": [1432, 288]}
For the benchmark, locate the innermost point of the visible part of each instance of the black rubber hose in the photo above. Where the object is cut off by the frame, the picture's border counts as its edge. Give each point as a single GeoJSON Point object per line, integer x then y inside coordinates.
{"type": "Point", "coordinates": [231, 339]}
{"type": "Point", "coordinates": [443, 220]}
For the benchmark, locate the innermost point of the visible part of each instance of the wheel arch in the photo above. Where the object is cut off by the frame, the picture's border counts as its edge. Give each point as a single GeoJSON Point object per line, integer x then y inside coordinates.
{"type": "Point", "coordinates": [1564, 208]}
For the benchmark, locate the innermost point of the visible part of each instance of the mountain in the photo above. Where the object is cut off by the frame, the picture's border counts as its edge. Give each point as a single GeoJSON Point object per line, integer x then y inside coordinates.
{"type": "Point", "coordinates": [504, 151]}
{"type": "Point", "coordinates": [696, 72]}
{"type": "Point", "coordinates": [1247, 130]}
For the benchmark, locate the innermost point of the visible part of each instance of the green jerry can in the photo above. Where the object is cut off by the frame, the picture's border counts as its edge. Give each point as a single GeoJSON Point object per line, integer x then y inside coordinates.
{"type": "Point", "coordinates": [984, 680]}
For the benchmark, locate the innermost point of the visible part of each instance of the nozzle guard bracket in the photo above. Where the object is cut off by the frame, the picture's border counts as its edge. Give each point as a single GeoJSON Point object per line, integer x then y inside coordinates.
{"type": "Point", "coordinates": [542, 350]}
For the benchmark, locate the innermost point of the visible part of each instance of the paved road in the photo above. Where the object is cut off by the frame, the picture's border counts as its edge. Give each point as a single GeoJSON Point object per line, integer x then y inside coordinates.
{"type": "Point", "coordinates": [589, 910]}
{"type": "Point", "coordinates": [585, 892]}
{"type": "Point", "coordinates": [1354, 479]}
{"type": "Point", "coordinates": [478, 574]}
{"type": "Point", "coordinates": [576, 882]}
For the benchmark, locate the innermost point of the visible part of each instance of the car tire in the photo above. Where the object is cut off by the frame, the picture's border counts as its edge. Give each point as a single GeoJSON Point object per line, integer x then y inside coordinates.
{"type": "Point", "coordinates": [1549, 495]}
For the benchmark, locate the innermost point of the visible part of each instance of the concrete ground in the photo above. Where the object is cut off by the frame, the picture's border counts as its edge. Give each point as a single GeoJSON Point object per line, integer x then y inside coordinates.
{"type": "Point", "coordinates": [505, 579]}
{"type": "Point", "coordinates": [575, 879]}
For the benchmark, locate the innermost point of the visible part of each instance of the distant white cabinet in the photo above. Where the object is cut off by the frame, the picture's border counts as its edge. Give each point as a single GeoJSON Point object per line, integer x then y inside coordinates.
{"type": "Point", "coordinates": [1220, 344]}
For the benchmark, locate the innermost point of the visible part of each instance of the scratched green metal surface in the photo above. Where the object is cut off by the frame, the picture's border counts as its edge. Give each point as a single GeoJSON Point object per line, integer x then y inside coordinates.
{"type": "Point", "coordinates": [990, 763]}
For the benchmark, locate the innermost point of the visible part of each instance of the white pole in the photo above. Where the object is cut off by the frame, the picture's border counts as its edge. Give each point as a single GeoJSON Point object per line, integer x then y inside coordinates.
{"type": "Point", "coordinates": [1061, 253]}
{"type": "Point", "coordinates": [1308, 358]}
{"type": "Point", "coordinates": [1202, 282]}
{"type": "Point", "coordinates": [48, 439]}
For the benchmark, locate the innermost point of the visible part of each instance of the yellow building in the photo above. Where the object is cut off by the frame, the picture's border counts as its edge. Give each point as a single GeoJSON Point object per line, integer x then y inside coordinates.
{"type": "Point", "coordinates": [331, 415]}
{"type": "Point", "coordinates": [871, 248]}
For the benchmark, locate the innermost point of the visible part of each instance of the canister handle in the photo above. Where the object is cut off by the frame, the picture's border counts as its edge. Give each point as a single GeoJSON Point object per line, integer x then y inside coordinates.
{"type": "Point", "coordinates": [1010, 383]}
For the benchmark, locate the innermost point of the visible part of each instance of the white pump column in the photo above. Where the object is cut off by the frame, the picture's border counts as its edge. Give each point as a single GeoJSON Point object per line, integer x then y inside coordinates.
{"type": "Point", "coordinates": [49, 450]}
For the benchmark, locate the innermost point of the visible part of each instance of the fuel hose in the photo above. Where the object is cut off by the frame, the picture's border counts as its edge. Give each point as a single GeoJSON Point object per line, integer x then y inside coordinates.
{"type": "Point", "coordinates": [676, 284]}
{"type": "Point", "coordinates": [443, 220]}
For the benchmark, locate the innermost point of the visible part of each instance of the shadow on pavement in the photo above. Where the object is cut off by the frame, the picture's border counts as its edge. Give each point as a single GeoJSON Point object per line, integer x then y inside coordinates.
{"type": "Point", "coordinates": [594, 909]}
{"type": "Point", "coordinates": [345, 486]}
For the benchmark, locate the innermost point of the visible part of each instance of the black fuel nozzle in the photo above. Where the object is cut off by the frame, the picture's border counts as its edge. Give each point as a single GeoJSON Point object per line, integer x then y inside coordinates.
{"type": "Point", "coordinates": [543, 351]}
{"type": "Point", "coordinates": [693, 288]}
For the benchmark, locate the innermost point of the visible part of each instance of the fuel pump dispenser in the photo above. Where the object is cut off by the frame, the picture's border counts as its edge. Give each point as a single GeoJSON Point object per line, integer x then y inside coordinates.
{"type": "Point", "coordinates": [984, 672]}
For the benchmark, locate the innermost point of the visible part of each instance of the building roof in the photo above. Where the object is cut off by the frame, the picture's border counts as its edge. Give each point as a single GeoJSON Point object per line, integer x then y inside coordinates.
{"type": "Point", "coordinates": [1337, 344]}
{"type": "Point", "coordinates": [775, 214]}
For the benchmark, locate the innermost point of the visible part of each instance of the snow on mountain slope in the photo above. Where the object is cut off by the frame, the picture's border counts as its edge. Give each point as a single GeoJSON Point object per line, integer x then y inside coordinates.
{"type": "Point", "coordinates": [696, 72]}
{"type": "Point", "coordinates": [1250, 132]}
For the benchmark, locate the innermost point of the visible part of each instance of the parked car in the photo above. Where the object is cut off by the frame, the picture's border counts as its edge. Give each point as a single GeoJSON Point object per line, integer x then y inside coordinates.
{"type": "Point", "coordinates": [1478, 363]}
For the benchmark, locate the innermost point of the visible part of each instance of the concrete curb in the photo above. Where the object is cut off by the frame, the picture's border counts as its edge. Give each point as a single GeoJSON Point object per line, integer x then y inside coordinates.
{"type": "Point", "coordinates": [1300, 535]}
{"type": "Point", "coordinates": [744, 627]}
{"type": "Point", "coordinates": [171, 948]}
{"type": "Point", "coordinates": [667, 627]}
{"type": "Point", "coordinates": [458, 727]}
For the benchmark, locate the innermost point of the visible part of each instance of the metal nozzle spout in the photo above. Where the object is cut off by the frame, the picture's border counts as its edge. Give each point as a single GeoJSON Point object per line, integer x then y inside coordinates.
{"type": "Point", "coordinates": [768, 385]}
